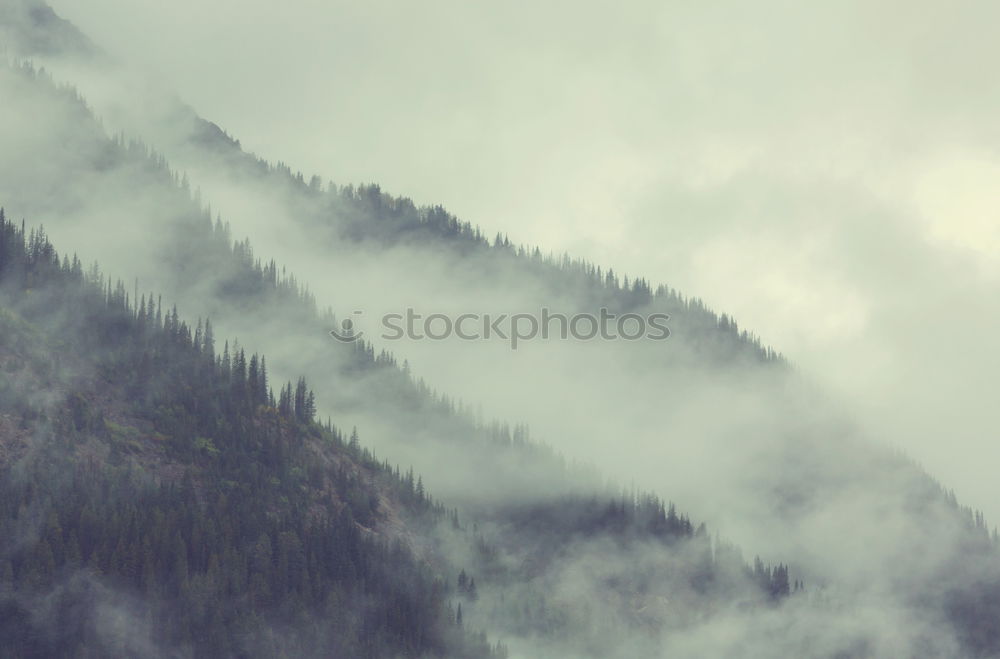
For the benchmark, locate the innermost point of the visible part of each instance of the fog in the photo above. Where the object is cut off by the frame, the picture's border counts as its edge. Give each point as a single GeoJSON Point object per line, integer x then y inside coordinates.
{"type": "Point", "coordinates": [822, 175]}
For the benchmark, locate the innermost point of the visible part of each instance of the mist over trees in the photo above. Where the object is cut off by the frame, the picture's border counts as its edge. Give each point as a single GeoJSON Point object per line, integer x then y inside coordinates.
{"type": "Point", "coordinates": [169, 479]}
{"type": "Point", "coordinates": [170, 491]}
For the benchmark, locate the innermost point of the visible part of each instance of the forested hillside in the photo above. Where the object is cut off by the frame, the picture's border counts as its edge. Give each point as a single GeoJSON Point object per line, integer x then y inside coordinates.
{"type": "Point", "coordinates": [171, 495]}
{"type": "Point", "coordinates": [158, 490]}
{"type": "Point", "coordinates": [160, 499]}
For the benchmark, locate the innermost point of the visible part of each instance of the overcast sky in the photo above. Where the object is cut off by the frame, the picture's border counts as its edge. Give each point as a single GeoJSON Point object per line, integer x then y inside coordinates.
{"type": "Point", "coordinates": [828, 175]}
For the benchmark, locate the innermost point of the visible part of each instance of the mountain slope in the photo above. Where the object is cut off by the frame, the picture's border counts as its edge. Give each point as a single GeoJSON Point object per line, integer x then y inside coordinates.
{"type": "Point", "coordinates": [146, 477]}
{"type": "Point", "coordinates": [160, 500]}
{"type": "Point", "coordinates": [33, 28]}
{"type": "Point", "coordinates": [795, 473]}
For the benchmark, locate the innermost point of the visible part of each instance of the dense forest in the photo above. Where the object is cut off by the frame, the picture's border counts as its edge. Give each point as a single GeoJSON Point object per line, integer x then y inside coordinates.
{"type": "Point", "coordinates": [168, 487]}
{"type": "Point", "coordinates": [167, 495]}
{"type": "Point", "coordinates": [165, 499]}
{"type": "Point", "coordinates": [168, 475]}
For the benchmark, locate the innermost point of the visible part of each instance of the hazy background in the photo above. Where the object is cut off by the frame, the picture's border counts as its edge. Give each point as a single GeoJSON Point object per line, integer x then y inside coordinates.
{"type": "Point", "coordinates": [825, 174]}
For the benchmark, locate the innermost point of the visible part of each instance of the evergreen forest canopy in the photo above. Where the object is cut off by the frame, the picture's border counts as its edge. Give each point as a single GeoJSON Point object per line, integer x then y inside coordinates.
{"type": "Point", "coordinates": [168, 496]}
{"type": "Point", "coordinates": [168, 500]}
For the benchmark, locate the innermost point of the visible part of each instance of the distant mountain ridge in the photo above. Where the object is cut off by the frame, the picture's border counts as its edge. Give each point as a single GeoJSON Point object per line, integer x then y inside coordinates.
{"type": "Point", "coordinates": [33, 28]}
